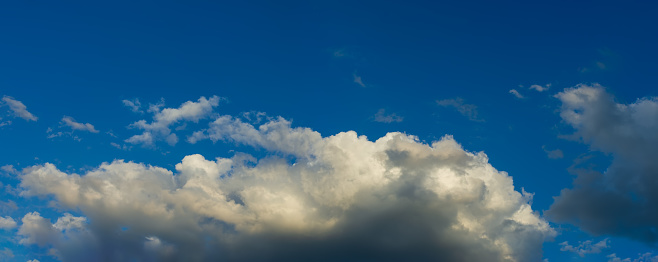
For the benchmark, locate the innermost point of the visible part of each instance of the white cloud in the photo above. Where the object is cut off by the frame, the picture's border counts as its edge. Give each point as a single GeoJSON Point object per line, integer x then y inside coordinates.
{"type": "Point", "coordinates": [159, 128]}
{"type": "Point", "coordinates": [358, 80]}
{"type": "Point", "coordinates": [585, 247]}
{"type": "Point", "coordinates": [540, 88]}
{"type": "Point", "coordinates": [646, 257]}
{"type": "Point", "coordinates": [133, 104]}
{"type": "Point", "coordinates": [622, 201]}
{"type": "Point", "coordinates": [382, 117]}
{"type": "Point", "coordinates": [516, 94]}
{"type": "Point", "coordinates": [70, 122]}
{"type": "Point", "coordinates": [7, 223]}
{"type": "Point", "coordinates": [466, 110]}
{"type": "Point", "coordinates": [18, 108]}
{"type": "Point", "coordinates": [9, 169]}
{"type": "Point", "coordinates": [384, 200]}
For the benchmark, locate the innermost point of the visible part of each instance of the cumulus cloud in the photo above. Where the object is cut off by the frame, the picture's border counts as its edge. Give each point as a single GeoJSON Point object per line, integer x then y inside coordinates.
{"type": "Point", "coordinates": [18, 109]}
{"type": "Point", "coordinates": [70, 122]}
{"type": "Point", "coordinates": [382, 117]}
{"type": "Point", "coordinates": [7, 223]}
{"type": "Point", "coordinates": [67, 239]}
{"type": "Point", "coordinates": [159, 128]}
{"type": "Point", "coordinates": [540, 88]}
{"type": "Point", "coordinates": [516, 94]}
{"type": "Point", "coordinates": [466, 110]}
{"type": "Point", "coordinates": [585, 247]}
{"type": "Point", "coordinates": [622, 201]}
{"type": "Point", "coordinates": [311, 198]}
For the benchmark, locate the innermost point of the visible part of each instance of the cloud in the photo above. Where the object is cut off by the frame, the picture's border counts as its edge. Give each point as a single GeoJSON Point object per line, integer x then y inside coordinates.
{"type": "Point", "coordinates": [585, 247]}
{"type": "Point", "coordinates": [68, 239]}
{"type": "Point", "coordinates": [382, 117]}
{"type": "Point", "coordinates": [466, 110]}
{"type": "Point", "coordinates": [310, 198]}
{"type": "Point", "coordinates": [70, 122]}
{"type": "Point", "coordinates": [540, 88]}
{"type": "Point", "coordinates": [133, 104]}
{"type": "Point", "coordinates": [516, 94]}
{"type": "Point", "coordinates": [6, 254]}
{"type": "Point", "coordinates": [646, 257]}
{"type": "Point", "coordinates": [159, 128]}
{"type": "Point", "coordinates": [339, 53]}
{"type": "Point", "coordinates": [622, 201]}
{"type": "Point", "coordinates": [18, 108]}
{"type": "Point", "coordinates": [7, 223]}
{"type": "Point", "coordinates": [358, 80]}
{"type": "Point", "coordinates": [553, 154]}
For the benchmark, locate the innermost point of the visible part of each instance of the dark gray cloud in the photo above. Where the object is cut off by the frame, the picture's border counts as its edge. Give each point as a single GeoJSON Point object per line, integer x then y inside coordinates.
{"type": "Point", "coordinates": [622, 201]}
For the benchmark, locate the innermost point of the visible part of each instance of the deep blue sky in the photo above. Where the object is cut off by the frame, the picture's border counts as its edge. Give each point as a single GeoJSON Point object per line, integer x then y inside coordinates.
{"type": "Point", "coordinates": [300, 60]}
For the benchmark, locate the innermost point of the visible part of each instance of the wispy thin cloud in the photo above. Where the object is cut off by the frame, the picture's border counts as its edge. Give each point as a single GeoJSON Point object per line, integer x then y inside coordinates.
{"type": "Point", "coordinates": [358, 80]}
{"type": "Point", "coordinates": [585, 247]}
{"type": "Point", "coordinates": [468, 110]}
{"type": "Point", "coordinates": [133, 104]}
{"type": "Point", "coordinates": [18, 108]}
{"type": "Point", "coordinates": [516, 94]}
{"type": "Point", "coordinates": [70, 122]}
{"type": "Point", "coordinates": [540, 88]}
{"type": "Point", "coordinates": [553, 154]}
{"type": "Point", "coordinates": [382, 117]}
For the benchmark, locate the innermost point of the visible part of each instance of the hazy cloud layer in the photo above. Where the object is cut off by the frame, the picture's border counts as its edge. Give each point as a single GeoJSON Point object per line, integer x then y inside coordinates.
{"type": "Point", "coordinates": [18, 109]}
{"type": "Point", "coordinates": [314, 198]}
{"type": "Point", "coordinates": [623, 201]}
{"type": "Point", "coordinates": [159, 129]}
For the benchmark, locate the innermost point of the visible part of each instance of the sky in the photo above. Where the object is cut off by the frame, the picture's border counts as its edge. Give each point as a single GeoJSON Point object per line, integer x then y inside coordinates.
{"type": "Point", "coordinates": [328, 131]}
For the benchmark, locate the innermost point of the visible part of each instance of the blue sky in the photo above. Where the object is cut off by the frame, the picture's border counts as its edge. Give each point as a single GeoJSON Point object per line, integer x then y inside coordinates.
{"type": "Point", "coordinates": [261, 78]}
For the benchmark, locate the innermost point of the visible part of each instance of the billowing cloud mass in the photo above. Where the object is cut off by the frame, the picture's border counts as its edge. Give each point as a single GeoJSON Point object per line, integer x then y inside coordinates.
{"type": "Point", "coordinates": [312, 198]}
{"type": "Point", "coordinates": [159, 128]}
{"type": "Point", "coordinates": [18, 109]}
{"type": "Point", "coordinates": [70, 122]}
{"type": "Point", "coordinates": [623, 201]}
{"type": "Point", "coordinates": [585, 247]}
